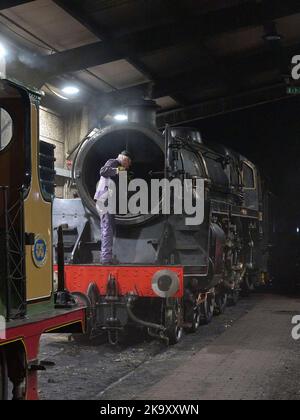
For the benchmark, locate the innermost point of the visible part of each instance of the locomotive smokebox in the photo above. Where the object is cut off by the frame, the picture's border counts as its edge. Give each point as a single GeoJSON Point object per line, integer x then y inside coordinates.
{"type": "Point", "coordinates": [139, 136]}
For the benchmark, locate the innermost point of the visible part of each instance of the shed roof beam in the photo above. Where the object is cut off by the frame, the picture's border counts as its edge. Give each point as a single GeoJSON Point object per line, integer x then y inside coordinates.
{"type": "Point", "coordinates": [222, 106]}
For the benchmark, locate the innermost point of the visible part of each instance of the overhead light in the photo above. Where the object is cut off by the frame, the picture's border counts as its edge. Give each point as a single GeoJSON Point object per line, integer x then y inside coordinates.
{"type": "Point", "coordinates": [273, 37]}
{"type": "Point", "coordinates": [121, 117]}
{"type": "Point", "coordinates": [71, 90]}
{"type": "Point", "coordinates": [3, 51]}
{"type": "Point", "coordinates": [271, 34]}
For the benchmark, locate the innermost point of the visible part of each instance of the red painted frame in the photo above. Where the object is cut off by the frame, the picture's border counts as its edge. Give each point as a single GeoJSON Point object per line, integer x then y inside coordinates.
{"type": "Point", "coordinates": [29, 334]}
{"type": "Point", "coordinates": [137, 280]}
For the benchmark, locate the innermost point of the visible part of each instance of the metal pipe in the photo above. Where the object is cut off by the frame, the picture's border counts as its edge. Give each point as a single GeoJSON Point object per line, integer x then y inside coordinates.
{"type": "Point", "coordinates": [61, 259]}
{"type": "Point", "coordinates": [22, 251]}
{"type": "Point", "coordinates": [140, 321]}
{"type": "Point", "coordinates": [160, 336]}
{"type": "Point", "coordinates": [166, 151]}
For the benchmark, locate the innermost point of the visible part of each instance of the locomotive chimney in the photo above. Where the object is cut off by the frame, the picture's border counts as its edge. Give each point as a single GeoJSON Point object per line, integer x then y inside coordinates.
{"type": "Point", "coordinates": [143, 112]}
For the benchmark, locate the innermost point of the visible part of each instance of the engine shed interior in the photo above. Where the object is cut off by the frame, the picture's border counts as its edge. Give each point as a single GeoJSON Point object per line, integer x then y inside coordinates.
{"type": "Point", "coordinates": [206, 93]}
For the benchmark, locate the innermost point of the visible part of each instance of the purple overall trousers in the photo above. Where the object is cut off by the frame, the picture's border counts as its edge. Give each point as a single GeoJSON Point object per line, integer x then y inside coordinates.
{"type": "Point", "coordinates": [107, 221]}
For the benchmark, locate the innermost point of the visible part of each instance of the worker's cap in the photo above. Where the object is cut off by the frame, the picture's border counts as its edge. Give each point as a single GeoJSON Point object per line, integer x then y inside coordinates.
{"type": "Point", "coordinates": [127, 154]}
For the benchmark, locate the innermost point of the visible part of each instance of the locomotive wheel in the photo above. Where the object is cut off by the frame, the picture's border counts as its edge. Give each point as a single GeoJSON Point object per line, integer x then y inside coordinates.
{"type": "Point", "coordinates": [248, 285]}
{"type": "Point", "coordinates": [196, 320]}
{"type": "Point", "coordinates": [233, 297]}
{"type": "Point", "coordinates": [173, 322]}
{"type": "Point", "coordinates": [90, 300]}
{"type": "Point", "coordinates": [193, 317]}
{"type": "Point", "coordinates": [221, 302]}
{"type": "Point", "coordinates": [207, 309]}
{"type": "Point", "coordinates": [192, 313]}
{"type": "Point", "coordinates": [3, 377]}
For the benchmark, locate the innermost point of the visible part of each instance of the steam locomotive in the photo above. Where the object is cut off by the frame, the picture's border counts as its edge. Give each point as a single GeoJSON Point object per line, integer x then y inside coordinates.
{"type": "Point", "coordinates": [29, 307]}
{"type": "Point", "coordinates": [170, 276]}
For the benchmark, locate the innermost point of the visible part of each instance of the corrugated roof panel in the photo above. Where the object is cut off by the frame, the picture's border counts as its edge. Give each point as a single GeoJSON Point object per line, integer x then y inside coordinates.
{"type": "Point", "coordinates": [166, 102]}
{"type": "Point", "coordinates": [174, 59]}
{"type": "Point", "coordinates": [93, 82]}
{"type": "Point", "coordinates": [238, 41]}
{"type": "Point", "coordinates": [51, 23]}
{"type": "Point", "coordinates": [119, 74]}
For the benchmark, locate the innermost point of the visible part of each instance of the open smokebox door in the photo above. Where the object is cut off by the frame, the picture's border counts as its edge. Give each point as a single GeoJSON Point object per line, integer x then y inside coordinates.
{"type": "Point", "coordinates": [147, 149]}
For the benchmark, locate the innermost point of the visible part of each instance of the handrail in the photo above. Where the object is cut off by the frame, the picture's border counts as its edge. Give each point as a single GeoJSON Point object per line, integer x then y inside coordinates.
{"type": "Point", "coordinates": [75, 249]}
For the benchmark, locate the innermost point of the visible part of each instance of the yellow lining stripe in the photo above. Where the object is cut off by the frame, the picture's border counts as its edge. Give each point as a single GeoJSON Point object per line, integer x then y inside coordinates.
{"type": "Point", "coordinates": [79, 321]}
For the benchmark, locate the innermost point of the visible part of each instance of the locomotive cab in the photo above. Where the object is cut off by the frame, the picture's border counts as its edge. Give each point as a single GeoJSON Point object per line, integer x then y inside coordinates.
{"type": "Point", "coordinates": [25, 205]}
{"type": "Point", "coordinates": [27, 301]}
{"type": "Point", "coordinates": [251, 185]}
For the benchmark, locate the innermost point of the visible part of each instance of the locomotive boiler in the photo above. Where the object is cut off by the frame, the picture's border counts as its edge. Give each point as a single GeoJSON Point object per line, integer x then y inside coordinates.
{"type": "Point", "coordinates": [169, 276]}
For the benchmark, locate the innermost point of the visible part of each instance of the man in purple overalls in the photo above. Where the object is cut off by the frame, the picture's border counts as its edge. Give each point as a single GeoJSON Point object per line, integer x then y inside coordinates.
{"type": "Point", "coordinates": [109, 172]}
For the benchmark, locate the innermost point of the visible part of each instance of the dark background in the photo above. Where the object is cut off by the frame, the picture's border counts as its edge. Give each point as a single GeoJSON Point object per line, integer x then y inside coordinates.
{"type": "Point", "coordinates": [269, 135]}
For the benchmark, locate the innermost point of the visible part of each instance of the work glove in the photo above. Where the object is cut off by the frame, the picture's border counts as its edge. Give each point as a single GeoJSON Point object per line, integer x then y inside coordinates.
{"type": "Point", "coordinates": [121, 169]}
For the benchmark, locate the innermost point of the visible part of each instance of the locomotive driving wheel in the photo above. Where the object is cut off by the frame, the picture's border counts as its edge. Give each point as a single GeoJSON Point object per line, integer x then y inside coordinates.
{"type": "Point", "coordinates": [221, 302]}
{"type": "Point", "coordinates": [90, 300]}
{"type": "Point", "coordinates": [248, 285]}
{"type": "Point", "coordinates": [196, 319]}
{"type": "Point", "coordinates": [208, 308]}
{"type": "Point", "coordinates": [233, 297]}
{"type": "Point", "coordinates": [3, 376]}
{"type": "Point", "coordinates": [174, 321]}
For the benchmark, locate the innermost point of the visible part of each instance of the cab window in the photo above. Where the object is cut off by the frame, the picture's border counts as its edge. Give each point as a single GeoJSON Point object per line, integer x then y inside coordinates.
{"type": "Point", "coordinates": [216, 171]}
{"type": "Point", "coordinates": [248, 176]}
{"type": "Point", "coordinates": [6, 129]}
{"type": "Point", "coordinates": [234, 175]}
